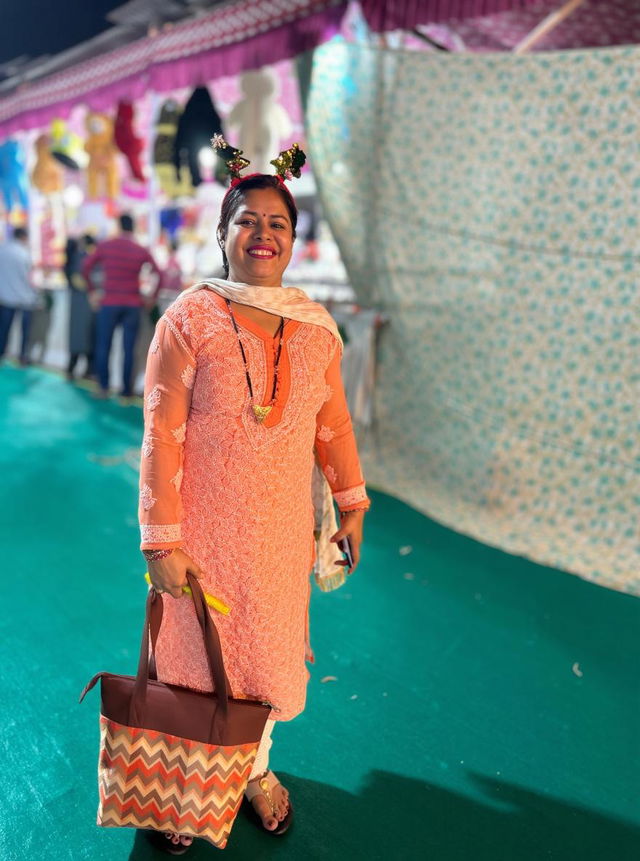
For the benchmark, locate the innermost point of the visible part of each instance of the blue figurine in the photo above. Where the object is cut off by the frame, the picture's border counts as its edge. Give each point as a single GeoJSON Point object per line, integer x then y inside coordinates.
{"type": "Point", "coordinates": [13, 175]}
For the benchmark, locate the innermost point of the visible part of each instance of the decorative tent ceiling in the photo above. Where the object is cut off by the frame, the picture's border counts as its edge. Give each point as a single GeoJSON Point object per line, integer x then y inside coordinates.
{"type": "Point", "coordinates": [404, 14]}
{"type": "Point", "coordinates": [244, 34]}
{"type": "Point", "coordinates": [239, 35]}
{"type": "Point", "coordinates": [591, 24]}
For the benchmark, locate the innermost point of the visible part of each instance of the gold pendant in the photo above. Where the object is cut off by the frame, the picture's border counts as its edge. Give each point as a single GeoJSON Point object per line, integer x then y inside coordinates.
{"type": "Point", "coordinates": [260, 412]}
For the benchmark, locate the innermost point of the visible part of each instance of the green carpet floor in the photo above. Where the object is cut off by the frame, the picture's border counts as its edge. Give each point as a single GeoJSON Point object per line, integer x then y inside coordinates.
{"type": "Point", "coordinates": [484, 708]}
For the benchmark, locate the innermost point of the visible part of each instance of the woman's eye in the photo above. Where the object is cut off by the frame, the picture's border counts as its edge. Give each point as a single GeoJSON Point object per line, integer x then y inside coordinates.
{"type": "Point", "coordinates": [245, 222]}
{"type": "Point", "coordinates": [278, 225]}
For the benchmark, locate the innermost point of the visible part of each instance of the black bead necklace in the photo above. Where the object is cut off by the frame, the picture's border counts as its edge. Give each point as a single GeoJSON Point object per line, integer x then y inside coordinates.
{"type": "Point", "coordinates": [260, 412]}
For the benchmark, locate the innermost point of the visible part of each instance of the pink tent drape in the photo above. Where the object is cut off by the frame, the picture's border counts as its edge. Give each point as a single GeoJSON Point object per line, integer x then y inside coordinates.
{"type": "Point", "coordinates": [243, 35]}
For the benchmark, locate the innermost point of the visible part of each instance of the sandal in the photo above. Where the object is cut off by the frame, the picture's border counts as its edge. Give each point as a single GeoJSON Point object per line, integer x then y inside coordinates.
{"type": "Point", "coordinates": [169, 841]}
{"type": "Point", "coordinates": [264, 785]}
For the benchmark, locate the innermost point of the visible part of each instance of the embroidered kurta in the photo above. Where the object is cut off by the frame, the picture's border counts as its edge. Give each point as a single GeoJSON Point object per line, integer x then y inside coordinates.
{"type": "Point", "coordinates": [236, 494]}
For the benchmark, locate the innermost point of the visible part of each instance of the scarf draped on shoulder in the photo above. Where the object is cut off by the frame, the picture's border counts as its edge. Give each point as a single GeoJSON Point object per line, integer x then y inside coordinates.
{"type": "Point", "coordinates": [294, 304]}
{"type": "Point", "coordinates": [290, 302]}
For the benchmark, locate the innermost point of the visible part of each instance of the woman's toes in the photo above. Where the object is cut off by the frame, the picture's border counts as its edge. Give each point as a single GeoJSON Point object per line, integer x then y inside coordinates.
{"type": "Point", "coordinates": [271, 818]}
{"type": "Point", "coordinates": [264, 812]}
{"type": "Point", "coordinates": [283, 806]}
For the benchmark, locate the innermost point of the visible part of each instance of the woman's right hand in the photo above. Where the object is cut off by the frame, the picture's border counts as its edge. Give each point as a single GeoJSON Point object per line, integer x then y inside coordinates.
{"type": "Point", "coordinates": [170, 574]}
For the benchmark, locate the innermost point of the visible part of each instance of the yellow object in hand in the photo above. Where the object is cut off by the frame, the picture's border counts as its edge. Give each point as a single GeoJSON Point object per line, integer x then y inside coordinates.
{"type": "Point", "coordinates": [211, 600]}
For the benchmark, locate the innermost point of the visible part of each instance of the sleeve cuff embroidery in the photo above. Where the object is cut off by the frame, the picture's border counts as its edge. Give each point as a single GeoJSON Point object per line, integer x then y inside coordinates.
{"type": "Point", "coordinates": [352, 496]}
{"type": "Point", "coordinates": [158, 534]}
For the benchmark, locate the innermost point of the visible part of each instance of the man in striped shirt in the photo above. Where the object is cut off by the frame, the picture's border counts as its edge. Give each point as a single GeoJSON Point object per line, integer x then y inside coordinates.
{"type": "Point", "coordinates": [120, 260]}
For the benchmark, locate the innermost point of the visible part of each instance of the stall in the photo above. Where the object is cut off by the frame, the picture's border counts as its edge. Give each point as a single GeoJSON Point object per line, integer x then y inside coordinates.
{"type": "Point", "coordinates": [129, 131]}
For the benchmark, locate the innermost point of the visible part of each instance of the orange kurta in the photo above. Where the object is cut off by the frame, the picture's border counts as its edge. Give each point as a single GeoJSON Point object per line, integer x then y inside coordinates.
{"type": "Point", "coordinates": [236, 494]}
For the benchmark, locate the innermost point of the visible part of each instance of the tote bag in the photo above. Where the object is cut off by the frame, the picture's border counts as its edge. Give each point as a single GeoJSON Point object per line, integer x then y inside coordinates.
{"type": "Point", "coordinates": [171, 758]}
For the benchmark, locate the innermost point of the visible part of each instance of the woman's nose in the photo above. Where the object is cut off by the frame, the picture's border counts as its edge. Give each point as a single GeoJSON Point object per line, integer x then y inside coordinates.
{"type": "Point", "coordinates": [261, 230]}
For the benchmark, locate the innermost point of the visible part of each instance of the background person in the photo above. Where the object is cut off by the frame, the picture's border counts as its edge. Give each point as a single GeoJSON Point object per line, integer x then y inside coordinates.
{"type": "Point", "coordinates": [17, 293]}
{"type": "Point", "coordinates": [121, 260]}
{"type": "Point", "coordinates": [82, 317]}
{"type": "Point", "coordinates": [171, 284]}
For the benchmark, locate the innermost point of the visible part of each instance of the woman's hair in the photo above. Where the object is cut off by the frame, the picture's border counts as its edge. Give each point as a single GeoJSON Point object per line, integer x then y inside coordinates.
{"type": "Point", "coordinates": [234, 198]}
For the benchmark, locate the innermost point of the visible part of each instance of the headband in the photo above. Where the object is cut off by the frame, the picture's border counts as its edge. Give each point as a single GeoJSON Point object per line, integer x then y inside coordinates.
{"type": "Point", "coordinates": [287, 165]}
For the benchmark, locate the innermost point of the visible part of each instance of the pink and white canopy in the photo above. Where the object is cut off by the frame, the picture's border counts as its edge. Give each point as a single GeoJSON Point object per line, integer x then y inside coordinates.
{"type": "Point", "coordinates": [241, 35]}
{"type": "Point", "coordinates": [247, 34]}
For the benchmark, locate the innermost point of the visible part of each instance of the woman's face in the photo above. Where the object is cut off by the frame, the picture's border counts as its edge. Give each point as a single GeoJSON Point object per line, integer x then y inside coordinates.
{"type": "Point", "coordinates": [259, 239]}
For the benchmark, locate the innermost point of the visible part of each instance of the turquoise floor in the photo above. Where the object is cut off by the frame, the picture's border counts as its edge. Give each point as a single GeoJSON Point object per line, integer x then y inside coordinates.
{"type": "Point", "coordinates": [484, 708]}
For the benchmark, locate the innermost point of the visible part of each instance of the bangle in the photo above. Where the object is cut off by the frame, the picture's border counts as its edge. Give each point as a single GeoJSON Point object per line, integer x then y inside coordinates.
{"type": "Point", "coordinates": [353, 510]}
{"type": "Point", "coordinates": [154, 555]}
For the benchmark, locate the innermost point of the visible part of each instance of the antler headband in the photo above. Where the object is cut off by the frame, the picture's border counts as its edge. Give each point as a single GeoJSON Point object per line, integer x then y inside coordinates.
{"type": "Point", "coordinates": [288, 164]}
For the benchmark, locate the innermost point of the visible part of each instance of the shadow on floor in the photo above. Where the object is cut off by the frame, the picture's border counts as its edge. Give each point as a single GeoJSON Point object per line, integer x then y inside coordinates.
{"type": "Point", "coordinates": [400, 818]}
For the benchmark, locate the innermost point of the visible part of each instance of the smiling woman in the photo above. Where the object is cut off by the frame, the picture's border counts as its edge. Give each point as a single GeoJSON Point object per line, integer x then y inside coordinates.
{"type": "Point", "coordinates": [257, 225]}
{"type": "Point", "coordinates": [256, 234]}
{"type": "Point", "coordinates": [242, 396]}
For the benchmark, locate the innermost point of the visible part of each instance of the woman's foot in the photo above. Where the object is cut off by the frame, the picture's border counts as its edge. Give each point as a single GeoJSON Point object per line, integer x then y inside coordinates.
{"type": "Point", "coordinates": [270, 800]}
{"type": "Point", "coordinates": [169, 841]}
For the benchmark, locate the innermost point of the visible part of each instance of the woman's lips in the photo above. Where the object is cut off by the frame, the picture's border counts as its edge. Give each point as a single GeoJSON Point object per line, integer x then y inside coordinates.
{"type": "Point", "coordinates": [261, 251]}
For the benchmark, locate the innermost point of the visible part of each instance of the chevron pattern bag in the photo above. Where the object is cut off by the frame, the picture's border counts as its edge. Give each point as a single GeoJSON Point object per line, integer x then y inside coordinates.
{"type": "Point", "coordinates": [171, 758]}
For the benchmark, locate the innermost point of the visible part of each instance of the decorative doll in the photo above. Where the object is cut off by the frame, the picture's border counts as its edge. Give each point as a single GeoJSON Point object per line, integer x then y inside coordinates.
{"type": "Point", "coordinates": [13, 175]}
{"type": "Point", "coordinates": [47, 175]}
{"type": "Point", "coordinates": [102, 171]}
{"type": "Point", "coordinates": [163, 153]}
{"type": "Point", "coordinates": [66, 146]}
{"type": "Point", "coordinates": [197, 123]}
{"type": "Point", "coordinates": [127, 141]}
{"type": "Point", "coordinates": [261, 121]}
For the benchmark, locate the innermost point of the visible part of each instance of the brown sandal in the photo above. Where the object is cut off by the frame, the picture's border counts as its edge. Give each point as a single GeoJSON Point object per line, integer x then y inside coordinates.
{"type": "Point", "coordinates": [264, 786]}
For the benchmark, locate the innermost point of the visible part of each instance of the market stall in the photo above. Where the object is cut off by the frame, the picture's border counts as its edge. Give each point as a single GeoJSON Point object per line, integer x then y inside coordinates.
{"type": "Point", "coordinates": [129, 131]}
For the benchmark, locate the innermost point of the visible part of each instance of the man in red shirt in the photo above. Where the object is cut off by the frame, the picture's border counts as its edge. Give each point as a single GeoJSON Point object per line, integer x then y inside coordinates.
{"type": "Point", "coordinates": [120, 260]}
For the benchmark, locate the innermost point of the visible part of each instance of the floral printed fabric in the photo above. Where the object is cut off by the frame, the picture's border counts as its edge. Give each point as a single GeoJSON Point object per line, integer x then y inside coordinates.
{"type": "Point", "coordinates": [489, 206]}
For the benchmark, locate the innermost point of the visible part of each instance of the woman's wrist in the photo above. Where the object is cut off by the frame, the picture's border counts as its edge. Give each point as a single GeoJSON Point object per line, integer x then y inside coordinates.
{"type": "Point", "coordinates": [155, 555]}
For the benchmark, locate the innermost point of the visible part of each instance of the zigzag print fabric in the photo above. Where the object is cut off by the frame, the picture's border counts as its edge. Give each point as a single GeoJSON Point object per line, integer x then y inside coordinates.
{"type": "Point", "coordinates": [149, 779]}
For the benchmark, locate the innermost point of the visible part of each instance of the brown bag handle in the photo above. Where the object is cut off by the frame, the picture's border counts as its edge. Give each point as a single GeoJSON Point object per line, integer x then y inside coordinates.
{"type": "Point", "coordinates": [152, 623]}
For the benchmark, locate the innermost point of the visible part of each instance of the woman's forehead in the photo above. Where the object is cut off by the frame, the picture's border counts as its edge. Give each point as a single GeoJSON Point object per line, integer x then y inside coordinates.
{"type": "Point", "coordinates": [264, 200]}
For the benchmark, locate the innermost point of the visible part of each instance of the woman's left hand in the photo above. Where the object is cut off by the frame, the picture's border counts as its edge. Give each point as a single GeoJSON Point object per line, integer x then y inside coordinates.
{"type": "Point", "coordinates": [351, 528]}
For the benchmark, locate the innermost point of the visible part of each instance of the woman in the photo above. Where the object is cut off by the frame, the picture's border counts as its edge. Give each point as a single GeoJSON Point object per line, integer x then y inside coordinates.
{"type": "Point", "coordinates": [243, 384]}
